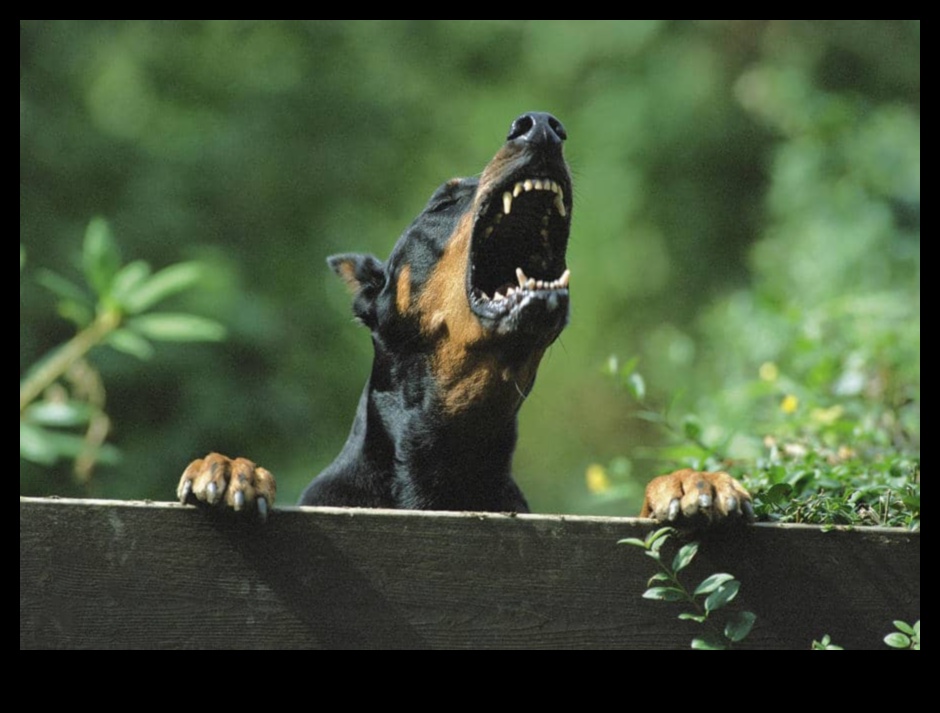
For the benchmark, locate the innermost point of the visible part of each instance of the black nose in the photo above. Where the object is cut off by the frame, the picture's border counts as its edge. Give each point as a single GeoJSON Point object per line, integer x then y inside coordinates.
{"type": "Point", "coordinates": [537, 127]}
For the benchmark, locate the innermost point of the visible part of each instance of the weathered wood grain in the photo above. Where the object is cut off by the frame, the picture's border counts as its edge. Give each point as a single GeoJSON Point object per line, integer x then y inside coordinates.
{"type": "Point", "coordinates": [112, 574]}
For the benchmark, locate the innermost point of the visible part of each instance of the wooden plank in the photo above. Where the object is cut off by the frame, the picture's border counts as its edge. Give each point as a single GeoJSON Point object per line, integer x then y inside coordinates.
{"type": "Point", "coordinates": [112, 574]}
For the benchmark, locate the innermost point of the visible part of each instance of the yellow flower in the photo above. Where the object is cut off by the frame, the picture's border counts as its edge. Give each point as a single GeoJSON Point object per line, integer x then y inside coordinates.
{"type": "Point", "coordinates": [597, 479]}
{"type": "Point", "coordinates": [789, 404]}
{"type": "Point", "coordinates": [768, 371]}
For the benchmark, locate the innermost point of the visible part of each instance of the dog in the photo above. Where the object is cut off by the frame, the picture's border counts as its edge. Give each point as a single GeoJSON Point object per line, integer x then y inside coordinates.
{"type": "Point", "coordinates": [473, 293]}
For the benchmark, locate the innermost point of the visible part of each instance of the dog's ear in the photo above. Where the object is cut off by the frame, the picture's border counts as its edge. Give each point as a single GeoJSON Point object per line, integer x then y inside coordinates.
{"type": "Point", "coordinates": [364, 275]}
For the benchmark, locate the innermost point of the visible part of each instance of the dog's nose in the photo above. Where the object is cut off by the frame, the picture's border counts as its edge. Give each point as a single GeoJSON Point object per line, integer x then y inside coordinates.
{"type": "Point", "coordinates": [537, 127]}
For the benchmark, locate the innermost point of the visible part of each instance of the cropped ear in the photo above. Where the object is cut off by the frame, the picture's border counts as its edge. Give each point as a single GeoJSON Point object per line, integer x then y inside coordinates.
{"type": "Point", "coordinates": [364, 275]}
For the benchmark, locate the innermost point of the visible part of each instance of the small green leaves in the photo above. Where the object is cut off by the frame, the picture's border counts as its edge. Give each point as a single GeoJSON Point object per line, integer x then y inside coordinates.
{"type": "Point", "coordinates": [717, 589]}
{"type": "Point", "coordinates": [825, 644]}
{"type": "Point", "coordinates": [100, 257]}
{"type": "Point", "coordinates": [636, 386]}
{"type": "Point", "coordinates": [176, 327]}
{"type": "Point", "coordinates": [684, 556]}
{"type": "Point", "coordinates": [710, 584]}
{"type": "Point", "coordinates": [708, 643]}
{"type": "Point", "coordinates": [739, 625]}
{"type": "Point", "coordinates": [168, 281]}
{"type": "Point", "coordinates": [722, 595]}
{"type": "Point", "coordinates": [113, 309]}
{"type": "Point", "coordinates": [127, 282]}
{"type": "Point", "coordinates": [58, 413]}
{"type": "Point", "coordinates": [906, 636]}
{"type": "Point", "coordinates": [666, 594]}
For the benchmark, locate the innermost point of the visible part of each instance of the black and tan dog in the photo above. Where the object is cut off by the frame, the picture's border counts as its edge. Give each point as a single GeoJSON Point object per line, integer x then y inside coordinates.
{"type": "Point", "coordinates": [473, 293]}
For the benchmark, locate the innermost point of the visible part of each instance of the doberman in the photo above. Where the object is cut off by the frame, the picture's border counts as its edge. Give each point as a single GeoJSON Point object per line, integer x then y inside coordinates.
{"type": "Point", "coordinates": [473, 293]}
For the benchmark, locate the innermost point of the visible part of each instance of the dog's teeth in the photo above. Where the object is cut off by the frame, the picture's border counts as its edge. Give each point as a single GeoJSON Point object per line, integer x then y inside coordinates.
{"type": "Point", "coordinates": [497, 295]}
{"type": "Point", "coordinates": [559, 203]}
{"type": "Point", "coordinates": [527, 184]}
{"type": "Point", "coordinates": [530, 283]}
{"type": "Point", "coordinates": [564, 279]}
{"type": "Point", "coordinates": [510, 291]}
{"type": "Point", "coordinates": [517, 189]}
{"type": "Point", "coordinates": [520, 276]}
{"type": "Point", "coordinates": [538, 184]}
{"type": "Point", "coordinates": [507, 202]}
{"type": "Point", "coordinates": [488, 232]}
{"type": "Point", "coordinates": [553, 187]}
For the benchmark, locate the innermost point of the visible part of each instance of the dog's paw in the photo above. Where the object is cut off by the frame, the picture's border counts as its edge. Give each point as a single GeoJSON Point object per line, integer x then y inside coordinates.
{"type": "Point", "coordinates": [690, 497]}
{"type": "Point", "coordinates": [234, 484]}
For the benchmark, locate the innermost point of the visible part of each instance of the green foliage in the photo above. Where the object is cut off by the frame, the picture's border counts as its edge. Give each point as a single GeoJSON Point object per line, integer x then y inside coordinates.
{"type": "Point", "coordinates": [711, 595]}
{"type": "Point", "coordinates": [906, 636]}
{"type": "Point", "coordinates": [825, 644]}
{"type": "Point", "coordinates": [718, 590]}
{"type": "Point", "coordinates": [63, 392]}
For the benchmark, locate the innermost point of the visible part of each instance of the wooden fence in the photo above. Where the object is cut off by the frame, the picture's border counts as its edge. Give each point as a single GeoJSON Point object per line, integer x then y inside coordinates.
{"type": "Point", "coordinates": [114, 574]}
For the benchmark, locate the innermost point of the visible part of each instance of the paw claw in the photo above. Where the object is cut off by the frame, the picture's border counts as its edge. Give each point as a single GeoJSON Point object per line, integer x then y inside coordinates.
{"type": "Point", "coordinates": [239, 499]}
{"type": "Point", "coordinates": [263, 509]}
{"type": "Point", "coordinates": [673, 512]}
{"type": "Point", "coordinates": [185, 490]}
{"type": "Point", "coordinates": [212, 494]}
{"type": "Point", "coordinates": [748, 511]}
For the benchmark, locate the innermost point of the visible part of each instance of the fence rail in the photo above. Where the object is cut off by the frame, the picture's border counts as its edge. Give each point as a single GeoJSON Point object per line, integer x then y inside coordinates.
{"type": "Point", "coordinates": [115, 574]}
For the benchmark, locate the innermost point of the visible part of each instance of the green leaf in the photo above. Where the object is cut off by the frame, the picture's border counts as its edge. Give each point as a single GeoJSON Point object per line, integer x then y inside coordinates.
{"type": "Point", "coordinates": [708, 644]}
{"type": "Point", "coordinates": [128, 342]}
{"type": "Point", "coordinates": [691, 428]}
{"type": "Point", "coordinates": [777, 494]}
{"type": "Point", "coordinates": [825, 644]}
{"type": "Point", "coordinates": [656, 538]}
{"type": "Point", "coordinates": [128, 280]}
{"type": "Point", "coordinates": [898, 640]}
{"type": "Point", "coordinates": [658, 577]}
{"type": "Point", "coordinates": [62, 287]}
{"type": "Point", "coordinates": [739, 625]}
{"type": "Point", "coordinates": [721, 596]}
{"type": "Point", "coordinates": [629, 368]}
{"type": "Point", "coordinates": [168, 281]}
{"type": "Point", "coordinates": [689, 616]}
{"type": "Point", "coordinates": [35, 446]}
{"type": "Point", "coordinates": [666, 594]}
{"type": "Point", "coordinates": [904, 626]}
{"type": "Point", "coordinates": [635, 541]}
{"type": "Point", "coordinates": [177, 327]}
{"type": "Point", "coordinates": [100, 257]}
{"type": "Point", "coordinates": [684, 556]}
{"type": "Point", "coordinates": [80, 314]}
{"type": "Point", "coordinates": [636, 386]}
{"type": "Point", "coordinates": [51, 413]}
{"type": "Point", "coordinates": [710, 584]}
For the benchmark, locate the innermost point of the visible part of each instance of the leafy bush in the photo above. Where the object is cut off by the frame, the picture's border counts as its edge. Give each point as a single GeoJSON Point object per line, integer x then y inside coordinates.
{"type": "Point", "coordinates": [63, 391]}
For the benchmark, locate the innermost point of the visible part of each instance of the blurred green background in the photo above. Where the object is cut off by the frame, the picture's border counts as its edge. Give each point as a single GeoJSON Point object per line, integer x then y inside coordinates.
{"type": "Point", "coordinates": [747, 193]}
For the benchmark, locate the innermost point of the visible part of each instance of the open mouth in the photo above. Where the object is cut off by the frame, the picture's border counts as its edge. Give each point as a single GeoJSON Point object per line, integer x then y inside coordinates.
{"type": "Point", "coordinates": [517, 252]}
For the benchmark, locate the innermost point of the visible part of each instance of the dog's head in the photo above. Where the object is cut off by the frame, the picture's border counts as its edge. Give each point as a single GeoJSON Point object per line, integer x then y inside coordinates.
{"type": "Point", "coordinates": [478, 282]}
